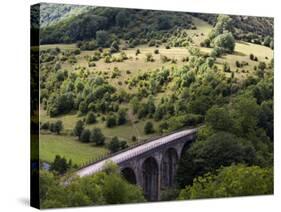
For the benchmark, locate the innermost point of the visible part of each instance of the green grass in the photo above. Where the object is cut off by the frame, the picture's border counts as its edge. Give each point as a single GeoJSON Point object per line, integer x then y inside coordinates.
{"type": "Point", "coordinates": [68, 147]}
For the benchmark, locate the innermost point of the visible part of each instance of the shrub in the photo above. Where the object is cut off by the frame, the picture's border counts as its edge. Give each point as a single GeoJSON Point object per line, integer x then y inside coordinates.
{"type": "Point", "coordinates": [85, 136]}
{"type": "Point", "coordinates": [56, 127]}
{"type": "Point", "coordinates": [60, 165]}
{"type": "Point", "coordinates": [111, 121]}
{"type": "Point", "coordinates": [152, 43]}
{"type": "Point", "coordinates": [122, 117]}
{"type": "Point", "coordinates": [134, 138]}
{"type": "Point", "coordinates": [107, 59]}
{"type": "Point", "coordinates": [225, 41]}
{"type": "Point", "coordinates": [149, 57]}
{"type": "Point", "coordinates": [237, 63]}
{"type": "Point", "coordinates": [45, 126]}
{"type": "Point", "coordinates": [97, 137]}
{"type": "Point", "coordinates": [216, 52]}
{"type": "Point", "coordinates": [252, 57]}
{"type": "Point", "coordinates": [115, 145]}
{"type": "Point", "coordinates": [79, 127]}
{"type": "Point", "coordinates": [226, 67]}
{"type": "Point", "coordinates": [156, 51]}
{"type": "Point", "coordinates": [137, 52]}
{"type": "Point", "coordinates": [164, 58]}
{"type": "Point", "coordinates": [114, 47]}
{"type": "Point", "coordinates": [91, 118]}
{"type": "Point", "coordinates": [91, 64]}
{"type": "Point", "coordinates": [148, 128]}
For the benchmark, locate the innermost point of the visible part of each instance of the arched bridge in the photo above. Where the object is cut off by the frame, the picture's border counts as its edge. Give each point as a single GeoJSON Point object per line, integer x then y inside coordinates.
{"type": "Point", "coordinates": [151, 165]}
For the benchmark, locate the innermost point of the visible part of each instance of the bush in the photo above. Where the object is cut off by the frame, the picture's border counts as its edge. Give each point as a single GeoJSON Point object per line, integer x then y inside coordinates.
{"type": "Point", "coordinates": [45, 126]}
{"type": "Point", "coordinates": [152, 43]}
{"type": "Point", "coordinates": [115, 145]}
{"type": "Point", "coordinates": [237, 63]}
{"type": "Point", "coordinates": [114, 47]}
{"type": "Point", "coordinates": [122, 117]}
{"type": "Point", "coordinates": [137, 52]}
{"type": "Point", "coordinates": [156, 51]}
{"type": "Point", "coordinates": [92, 64]}
{"type": "Point", "coordinates": [107, 59]}
{"type": "Point", "coordinates": [85, 136]}
{"type": "Point", "coordinates": [148, 128]}
{"type": "Point", "coordinates": [252, 57]}
{"type": "Point", "coordinates": [60, 165]}
{"type": "Point", "coordinates": [164, 59]}
{"type": "Point", "coordinates": [111, 121]}
{"type": "Point", "coordinates": [97, 137]}
{"type": "Point", "coordinates": [226, 67]}
{"type": "Point", "coordinates": [134, 138]}
{"type": "Point", "coordinates": [102, 38]}
{"type": "Point", "coordinates": [91, 118]}
{"type": "Point", "coordinates": [79, 127]}
{"type": "Point", "coordinates": [216, 52]}
{"type": "Point", "coordinates": [225, 41]}
{"type": "Point", "coordinates": [149, 57]}
{"type": "Point", "coordinates": [56, 127]}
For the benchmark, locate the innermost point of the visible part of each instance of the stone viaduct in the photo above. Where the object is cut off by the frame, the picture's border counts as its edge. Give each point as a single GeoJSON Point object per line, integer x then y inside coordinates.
{"type": "Point", "coordinates": [151, 165]}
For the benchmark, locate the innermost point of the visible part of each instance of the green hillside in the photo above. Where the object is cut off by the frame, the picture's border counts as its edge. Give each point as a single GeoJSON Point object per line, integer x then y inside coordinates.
{"type": "Point", "coordinates": [111, 78]}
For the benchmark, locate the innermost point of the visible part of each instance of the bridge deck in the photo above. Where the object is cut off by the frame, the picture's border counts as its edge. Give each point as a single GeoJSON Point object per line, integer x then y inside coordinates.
{"type": "Point", "coordinates": [130, 153]}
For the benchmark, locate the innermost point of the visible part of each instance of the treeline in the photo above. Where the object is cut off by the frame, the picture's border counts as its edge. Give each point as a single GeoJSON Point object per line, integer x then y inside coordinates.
{"type": "Point", "coordinates": [114, 22]}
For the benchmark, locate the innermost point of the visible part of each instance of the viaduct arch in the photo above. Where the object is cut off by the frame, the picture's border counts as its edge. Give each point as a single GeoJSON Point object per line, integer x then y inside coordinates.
{"type": "Point", "coordinates": [151, 165]}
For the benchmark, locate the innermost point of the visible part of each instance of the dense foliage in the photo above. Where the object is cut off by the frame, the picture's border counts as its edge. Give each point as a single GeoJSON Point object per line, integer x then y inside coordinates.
{"type": "Point", "coordinates": [231, 181]}
{"type": "Point", "coordinates": [106, 187]}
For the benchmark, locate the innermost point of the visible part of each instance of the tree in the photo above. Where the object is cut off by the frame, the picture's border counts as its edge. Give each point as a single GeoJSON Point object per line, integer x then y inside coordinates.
{"type": "Point", "coordinates": [114, 47]}
{"type": "Point", "coordinates": [83, 107]}
{"type": "Point", "coordinates": [122, 18]}
{"type": "Point", "coordinates": [232, 181]}
{"type": "Point", "coordinates": [91, 118]}
{"type": "Point", "coordinates": [97, 136]}
{"type": "Point", "coordinates": [102, 38]}
{"type": "Point", "coordinates": [220, 149]}
{"type": "Point", "coordinates": [148, 128]}
{"type": "Point", "coordinates": [219, 118]}
{"type": "Point", "coordinates": [85, 136]}
{"type": "Point", "coordinates": [111, 121]}
{"type": "Point", "coordinates": [267, 41]}
{"type": "Point", "coordinates": [113, 146]}
{"type": "Point", "coordinates": [245, 112]}
{"type": "Point", "coordinates": [135, 102]}
{"type": "Point", "coordinates": [223, 24]}
{"type": "Point", "coordinates": [164, 22]}
{"type": "Point", "coordinates": [262, 65]}
{"type": "Point", "coordinates": [121, 117]}
{"type": "Point", "coordinates": [79, 127]}
{"type": "Point", "coordinates": [224, 41]}
{"type": "Point", "coordinates": [60, 165]}
{"type": "Point", "coordinates": [58, 127]}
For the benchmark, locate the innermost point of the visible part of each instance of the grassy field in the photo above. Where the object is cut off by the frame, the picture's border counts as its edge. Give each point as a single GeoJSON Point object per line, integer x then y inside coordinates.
{"type": "Point", "coordinates": [123, 132]}
{"type": "Point", "coordinates": [68, 147]}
